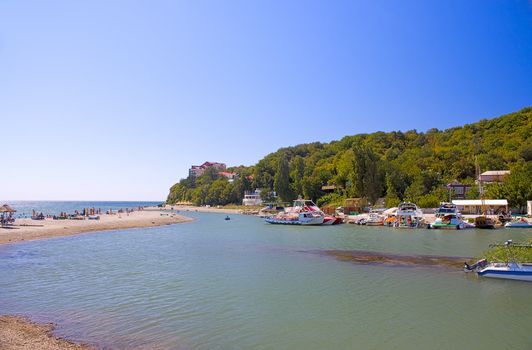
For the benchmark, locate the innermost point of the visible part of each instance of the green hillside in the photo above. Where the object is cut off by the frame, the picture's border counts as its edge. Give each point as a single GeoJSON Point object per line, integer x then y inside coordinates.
{"type": "Point", "coordinates": [409, 165]}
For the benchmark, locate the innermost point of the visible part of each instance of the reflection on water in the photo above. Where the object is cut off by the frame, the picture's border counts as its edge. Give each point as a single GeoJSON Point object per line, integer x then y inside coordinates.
{"type": "Point", "coordinates": [245, 284]}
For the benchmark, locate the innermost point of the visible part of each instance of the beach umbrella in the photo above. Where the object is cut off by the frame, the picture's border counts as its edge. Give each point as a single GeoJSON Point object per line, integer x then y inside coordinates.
{"type": "Point", "coordinates": [6, 209]}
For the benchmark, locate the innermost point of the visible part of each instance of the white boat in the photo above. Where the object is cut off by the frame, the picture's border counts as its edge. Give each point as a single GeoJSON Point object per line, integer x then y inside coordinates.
{"type": "Point", "coordinates": [375, 219]}
{"type": "Point", "coordinates": [408, 215]}
{"type": "Point", "coordinates": [518, 224]}
{"type": "Point", "coordinates": [303, 212]}
{"type": "Point", "coordinates": [512, 270]}
{"type": "Point", "coordinates": [448, 218]}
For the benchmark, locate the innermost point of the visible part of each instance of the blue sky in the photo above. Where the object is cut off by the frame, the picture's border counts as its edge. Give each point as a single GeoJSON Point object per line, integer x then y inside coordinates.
{"type": "Point", "coordinates": [116, 99]}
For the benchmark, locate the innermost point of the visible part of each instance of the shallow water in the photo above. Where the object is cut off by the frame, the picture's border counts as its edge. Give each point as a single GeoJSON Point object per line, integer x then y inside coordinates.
{"type": "Point", "coordinates": [216, 284]}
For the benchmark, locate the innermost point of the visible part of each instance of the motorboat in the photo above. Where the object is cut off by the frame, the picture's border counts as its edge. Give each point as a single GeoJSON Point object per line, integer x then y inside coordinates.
{"type": "Point", "coordinates": [302, 218]}
{"type": "Point", "coordinates": [512, 270]}
{"type": "Point", "coordinates": [448, 218]}
{"type": "Point", "coordinates": [375, 219]}
{"type": "Point", "coordinates": [522, 223]}
{"type": "Point", "coordinates": [408, 215]}
{"type": "Point", "coordinates": [303, 212]}
{"type": "Point", "coordinates": [484, 222]}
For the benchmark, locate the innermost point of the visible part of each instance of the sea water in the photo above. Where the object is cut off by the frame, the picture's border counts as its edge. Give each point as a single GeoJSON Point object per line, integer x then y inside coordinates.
{"type": "Point", "coordinates": [25, 208]}
{"type": "Point", "coordinates": [245, 284]}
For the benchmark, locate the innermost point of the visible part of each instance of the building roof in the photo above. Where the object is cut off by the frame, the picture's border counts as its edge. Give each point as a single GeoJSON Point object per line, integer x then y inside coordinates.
{"type": "Point", "coordinates": [496, 172]}
{"type": "Point", "coordinates": [479, 202]}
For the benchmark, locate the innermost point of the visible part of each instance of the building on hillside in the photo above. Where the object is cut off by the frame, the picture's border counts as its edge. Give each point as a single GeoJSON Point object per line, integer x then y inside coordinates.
{"type": "Point", "coordinates": [228, 175]}
{"type": "Point", "coordinates": [529, 208]}
{"type": "Point", "coordinates": [252, 198]}
{"type": "Point", "coordinates": [457, 189]}
{"type": "Point", "coordinates": [198, 170]}
{"type": "Point", "coordinates": [477, 206]}
{"type": "Point", "coordinates": [328, 188]}
{"type": "Point", "coordinates": [492, 176]}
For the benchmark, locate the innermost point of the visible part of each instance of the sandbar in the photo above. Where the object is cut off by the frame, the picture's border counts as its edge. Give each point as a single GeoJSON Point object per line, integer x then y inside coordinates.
{"type": "Point", "coordinates": [19, 333]}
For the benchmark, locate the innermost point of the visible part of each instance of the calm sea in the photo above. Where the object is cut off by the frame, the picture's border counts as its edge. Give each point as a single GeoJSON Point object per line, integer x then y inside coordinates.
{"type": "Point", "coordinates": [244, 284]}
{"type": "Point", "coordinates": [24, 208]}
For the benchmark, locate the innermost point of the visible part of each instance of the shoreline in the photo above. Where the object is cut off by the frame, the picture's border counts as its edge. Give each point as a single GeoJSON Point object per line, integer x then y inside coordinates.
{"type": "Point", "coordinates": [192, 208]}
{"type": "Point", "coordinates": [30, 230]}
{"type": "Point", "coordinates": [21, 333]}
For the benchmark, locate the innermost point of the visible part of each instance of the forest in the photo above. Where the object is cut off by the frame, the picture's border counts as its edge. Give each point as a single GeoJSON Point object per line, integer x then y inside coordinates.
{"type": "Point", "coordinates": [398, 166]}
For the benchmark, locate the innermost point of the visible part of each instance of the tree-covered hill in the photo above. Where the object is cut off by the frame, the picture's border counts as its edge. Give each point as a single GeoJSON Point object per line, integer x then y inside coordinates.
{"type": "Point", "coordinates": [409, 165]}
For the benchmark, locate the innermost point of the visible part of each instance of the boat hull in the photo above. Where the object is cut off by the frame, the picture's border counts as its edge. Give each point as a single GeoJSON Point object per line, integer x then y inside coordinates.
{"type": "Point", "coordinates": [509, 275]}
{"type": "Point", "coordinates": [510, 272]}
{"type": "Point", "coordinates": [445, 227]}
{"type": "Point", "coordinates": [518, 225]}
{"type": "Point", "coordinates": [332, 220]}
{"type": "Point", "coordinates": [294, 222]}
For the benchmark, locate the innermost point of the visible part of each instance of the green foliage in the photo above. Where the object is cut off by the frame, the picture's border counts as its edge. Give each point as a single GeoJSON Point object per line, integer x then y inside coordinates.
{"type": "Point", "coordinates": [398, 165]}
{"type": "Point", "coordinates": [504, 254]}
{"type": "Point", "coordinates": [517, 187]}
{"type": "Point", "coordinates": [281, 182]}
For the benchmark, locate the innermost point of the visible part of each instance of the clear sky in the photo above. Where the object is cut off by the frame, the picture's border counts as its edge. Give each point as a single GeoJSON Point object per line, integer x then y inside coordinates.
{"type": "Point", "coordinates": [116, 99]}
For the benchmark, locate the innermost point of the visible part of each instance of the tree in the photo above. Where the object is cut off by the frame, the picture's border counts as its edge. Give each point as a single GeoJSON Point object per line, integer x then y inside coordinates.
{"type": "Point", "coordinates": [281, 182]}
{"type": "Point", "coordinates": [297, 170]}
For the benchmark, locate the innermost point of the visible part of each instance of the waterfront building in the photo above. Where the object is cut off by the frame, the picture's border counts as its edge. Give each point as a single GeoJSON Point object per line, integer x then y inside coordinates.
{"type": "Point", "coordinates": [252, 198]}
{"type": "Point", "coordinates": [475, 206]}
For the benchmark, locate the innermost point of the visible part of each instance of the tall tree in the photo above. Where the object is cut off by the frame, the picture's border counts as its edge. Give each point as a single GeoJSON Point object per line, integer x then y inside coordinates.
{"type": "Point", "coordinates": [297, 170]}
{"type": "Point", "coordinates": [281, 181]}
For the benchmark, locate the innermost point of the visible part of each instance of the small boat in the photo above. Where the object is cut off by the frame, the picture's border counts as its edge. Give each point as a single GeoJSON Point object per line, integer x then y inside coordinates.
{"type": "Point", "coordinates": [448, 218]}
{"type": "Point", "coordinates": [296, 219]}
{"type": "Point", "coordinates": [304, 212]}
{"type": "Point", "coordinates": [408, 216]}
{"type": "Point", "coordinates": [512, 270]}
{"type": "Point", "coordinates": [375, 219]}
{"type": "Point", "coordinates": [227, 218]}
{"type": "Point", "coordinates": [484, 222]}
{"type": "Point", "coordinates": [522, 223]}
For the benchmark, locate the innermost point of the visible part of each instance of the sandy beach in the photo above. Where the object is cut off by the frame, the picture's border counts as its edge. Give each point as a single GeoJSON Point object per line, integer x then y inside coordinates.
{"type": "Point", "coordinates": [28, 229]}
{"type": "Point", "coordinates": [19, 333]}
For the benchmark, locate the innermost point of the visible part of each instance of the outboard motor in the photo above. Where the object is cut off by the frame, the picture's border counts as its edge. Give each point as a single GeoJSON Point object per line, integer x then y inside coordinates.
{"type": "Point", "coordinates": [478, 265]}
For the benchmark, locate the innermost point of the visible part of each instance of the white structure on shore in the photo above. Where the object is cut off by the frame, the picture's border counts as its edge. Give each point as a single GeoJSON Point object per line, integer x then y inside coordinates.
{"type": "Point", "coordinates": [252, 198]}
{"type": "Point", "coordinates": [475, 206]}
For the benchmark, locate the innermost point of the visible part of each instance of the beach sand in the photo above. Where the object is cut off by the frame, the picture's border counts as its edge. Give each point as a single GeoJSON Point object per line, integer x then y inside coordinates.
{"type": "Point", "coordinates": [28, 230]}
{"type": "Point", "coordinates": [19, 333]}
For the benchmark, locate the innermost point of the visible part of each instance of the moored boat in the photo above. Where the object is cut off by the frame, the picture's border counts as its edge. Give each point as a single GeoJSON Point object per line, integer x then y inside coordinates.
{"type": "Point", "coordinates": [448, 218]}
{"type": "Point", "coordinates": [303, 212]}
{"type": "Point", "coordinates": [408, 215]}
{"type": "Point", "coordinates": [484, 222]}
{"type": "Point", "coordinates": [522, 223]}
{"type": "Point", "coordinates": [375, 219]}
{"type": "Point", "coordinates": [510, 269]}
